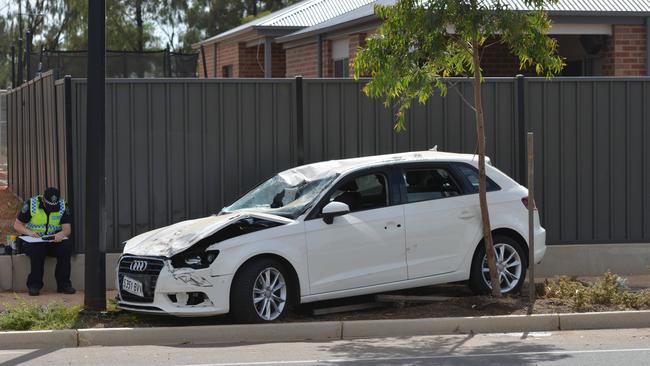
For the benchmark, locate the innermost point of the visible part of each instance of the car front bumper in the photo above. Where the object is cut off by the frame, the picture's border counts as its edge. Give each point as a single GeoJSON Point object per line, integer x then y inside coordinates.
{"type": "Point", "coordinates": [173, 289]}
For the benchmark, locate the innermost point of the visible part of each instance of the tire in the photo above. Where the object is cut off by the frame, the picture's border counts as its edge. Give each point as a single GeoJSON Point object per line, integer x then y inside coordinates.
{"type": "Point", "coordinates": [479, 283]}
{"type": "Point", "coordinates": [250, 282]}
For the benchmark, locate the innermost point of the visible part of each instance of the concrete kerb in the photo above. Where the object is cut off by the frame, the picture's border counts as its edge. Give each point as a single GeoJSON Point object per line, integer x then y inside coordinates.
{"type": "Point", "coordinates": [321, 331]}
{"type": "Point", "coordinates": [39, 339]}
{"type": "Point", "coordinates": [605, 320]}
{"type": "Point", "coordinates": [435, 326]}
{"type": "Point", "coordinates": [215, 334]}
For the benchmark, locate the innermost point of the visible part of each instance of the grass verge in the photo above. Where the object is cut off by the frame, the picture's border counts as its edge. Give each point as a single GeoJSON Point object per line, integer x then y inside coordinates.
{"type": "Point", "coordinates": [28, 316]}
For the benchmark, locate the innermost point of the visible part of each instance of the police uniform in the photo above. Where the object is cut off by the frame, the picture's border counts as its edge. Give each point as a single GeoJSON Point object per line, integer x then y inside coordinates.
{"type": "Point", "coordinates": [45, 220]}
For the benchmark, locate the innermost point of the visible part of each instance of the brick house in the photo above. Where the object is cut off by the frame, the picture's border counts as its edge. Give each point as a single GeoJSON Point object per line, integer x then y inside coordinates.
{"type": "Point", "coordinates": [596, 38]}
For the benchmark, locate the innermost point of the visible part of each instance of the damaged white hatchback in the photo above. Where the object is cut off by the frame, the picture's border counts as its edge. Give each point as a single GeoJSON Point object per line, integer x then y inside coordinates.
{"type": "Point", "coordinates": [329, 230]}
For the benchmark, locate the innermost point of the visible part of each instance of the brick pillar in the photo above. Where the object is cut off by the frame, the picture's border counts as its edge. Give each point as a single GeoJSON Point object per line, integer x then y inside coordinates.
{"type": "Point", "coordinates": [357, 41]}
{"type": "Point", "coordinates": [625, 53]}
{"type": "Point", "coordinates": [328, 65]}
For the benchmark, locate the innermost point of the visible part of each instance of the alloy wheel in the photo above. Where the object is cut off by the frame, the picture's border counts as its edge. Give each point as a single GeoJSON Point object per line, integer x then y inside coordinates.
{"type": "Point", "coordinates": [269, 294]}
{"type": "Point", "coordinates": [509, 267]}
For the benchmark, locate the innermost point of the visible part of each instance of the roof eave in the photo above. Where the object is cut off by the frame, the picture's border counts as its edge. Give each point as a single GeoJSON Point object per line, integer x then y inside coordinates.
{"type": "Point", "coordinates": [335, 27]}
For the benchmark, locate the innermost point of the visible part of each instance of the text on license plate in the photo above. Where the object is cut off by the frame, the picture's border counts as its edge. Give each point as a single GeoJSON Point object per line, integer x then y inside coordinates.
{"type": "Point", "coordinates": [132, 286]}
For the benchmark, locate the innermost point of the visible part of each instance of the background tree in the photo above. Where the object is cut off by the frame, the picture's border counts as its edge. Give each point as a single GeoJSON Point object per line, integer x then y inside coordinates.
{"type": "Point", "coordinates": [421, 42]}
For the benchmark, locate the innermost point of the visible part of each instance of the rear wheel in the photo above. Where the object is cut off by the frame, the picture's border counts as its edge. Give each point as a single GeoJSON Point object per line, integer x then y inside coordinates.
{"type": "Point", "coordinates": [511, 266]}
{"type": "Point", "coordinates": [260, 292]}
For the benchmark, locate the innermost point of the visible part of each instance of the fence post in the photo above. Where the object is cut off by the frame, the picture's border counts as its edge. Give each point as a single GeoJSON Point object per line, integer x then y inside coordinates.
{"type": "Point", "coordinates": [28, 54]}
{"type": "Point", "coordinates": [67, 113]}
{"type": "Point", "coordinates": [13, 67]}
{"type": "Point", "coordinates": [19, 77]}
{"type": "Point", "coordinates": [167, 63]}
{"type": "Point", "coordinates": [205, 66]}
{"type": "Point", "coordinates": [521, 128]}
{"type": "Point", "coordinates": [531, 217]}
{"type": "Point", "coordinates": [300, 137]}
{"type": "Point", "coordinates": [40, 62]}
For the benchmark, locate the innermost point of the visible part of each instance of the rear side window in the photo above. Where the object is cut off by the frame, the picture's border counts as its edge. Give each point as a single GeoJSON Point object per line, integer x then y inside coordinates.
{"type": "Point", "coordinates": [429, 184]}
{"type": "Point", "coordinates": [471, 174]}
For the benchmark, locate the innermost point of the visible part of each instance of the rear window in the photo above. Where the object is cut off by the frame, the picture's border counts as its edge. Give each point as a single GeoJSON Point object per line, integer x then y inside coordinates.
{"type": "Point", "coordinates": [471, 174]}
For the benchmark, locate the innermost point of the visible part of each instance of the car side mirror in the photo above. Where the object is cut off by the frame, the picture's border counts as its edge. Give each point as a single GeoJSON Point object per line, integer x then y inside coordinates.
{"type": "Point", "coordinates": [333, 209]}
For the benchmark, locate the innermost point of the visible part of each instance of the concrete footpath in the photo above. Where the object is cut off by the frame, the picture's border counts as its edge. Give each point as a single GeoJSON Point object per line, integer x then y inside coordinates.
{"type": "Point", "coordinates": [321, 331]}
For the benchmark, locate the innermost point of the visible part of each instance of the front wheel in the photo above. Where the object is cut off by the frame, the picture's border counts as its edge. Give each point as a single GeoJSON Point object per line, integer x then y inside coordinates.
{"type": "Point", "coordinates": [260, 292]}
{"type": "Point", "coordinates": [511, 266]}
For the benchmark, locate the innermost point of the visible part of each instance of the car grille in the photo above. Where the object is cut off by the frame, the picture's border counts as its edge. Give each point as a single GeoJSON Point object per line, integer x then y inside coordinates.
{"type": "Point", "coordinates": [148, 277]}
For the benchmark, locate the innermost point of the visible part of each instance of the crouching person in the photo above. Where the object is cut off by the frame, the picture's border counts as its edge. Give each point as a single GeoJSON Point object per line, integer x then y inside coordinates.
{"type": "Point", "coordinates": [47, 216]}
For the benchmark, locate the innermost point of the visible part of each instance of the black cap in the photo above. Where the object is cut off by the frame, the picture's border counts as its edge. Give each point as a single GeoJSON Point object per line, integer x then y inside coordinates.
{"type": "Point", "coordinates": [51, 196]}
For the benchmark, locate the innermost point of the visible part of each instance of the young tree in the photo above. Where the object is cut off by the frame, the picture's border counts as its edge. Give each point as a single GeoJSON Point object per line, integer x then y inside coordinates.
{"type": "Point", "coordinates": [421, 42]}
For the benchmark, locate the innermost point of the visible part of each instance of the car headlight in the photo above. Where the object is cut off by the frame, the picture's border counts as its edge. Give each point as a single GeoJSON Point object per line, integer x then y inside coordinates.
{"type": "Point", "coordinates": [195, 260]}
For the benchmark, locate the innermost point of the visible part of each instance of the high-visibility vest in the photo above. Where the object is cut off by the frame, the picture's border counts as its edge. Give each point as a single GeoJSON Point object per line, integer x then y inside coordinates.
{"type": "Point", "coordinates": [39, 222]}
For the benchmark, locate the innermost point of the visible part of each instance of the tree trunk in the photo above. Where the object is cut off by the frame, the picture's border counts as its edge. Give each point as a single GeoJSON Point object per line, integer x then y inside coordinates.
{"type": "Point", "coordinates": [482, 191]}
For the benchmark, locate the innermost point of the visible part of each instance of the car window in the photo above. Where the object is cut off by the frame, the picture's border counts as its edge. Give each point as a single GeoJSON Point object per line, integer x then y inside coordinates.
{"type": "Point", "coordinates": [429, 184]}
{"type": "Point", "coordinates": [471, 174]}
{"type": "Point", "coordinates": [363, 193]}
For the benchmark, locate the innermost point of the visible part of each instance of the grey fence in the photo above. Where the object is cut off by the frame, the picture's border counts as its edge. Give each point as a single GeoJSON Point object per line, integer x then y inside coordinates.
{"type": "Point", "coordinates": [184, 148]}
{"type": "Point", "coordinates": [36, 138]}
{"type": "Point", "coordinates": [3, 137]}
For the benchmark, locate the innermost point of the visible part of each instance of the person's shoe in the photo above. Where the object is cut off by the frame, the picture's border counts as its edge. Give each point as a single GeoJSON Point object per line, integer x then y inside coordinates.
{"type": "Point", "coordinates": [34, 291]}
{"type": "Point", "coordinates": [66, 290]}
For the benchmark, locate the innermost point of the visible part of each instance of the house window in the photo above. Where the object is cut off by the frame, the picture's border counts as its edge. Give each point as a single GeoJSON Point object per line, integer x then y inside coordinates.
{"type": "Point", "coordinates": [341, 57]}
{"type": "Point", "coordinates": [341, 69]}
{"type": "Point", "coordinates": [227, 71]}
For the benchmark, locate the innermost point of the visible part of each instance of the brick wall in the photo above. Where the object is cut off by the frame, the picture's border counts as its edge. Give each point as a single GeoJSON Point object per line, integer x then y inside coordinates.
{"type": "Point", "coordinates": [247, 62]}
{"type": "Point", "coordinates": [251, 61]}
{"type": "Point", "coordinates": [227, 54]}
{"type": "Point", "coordinates": [209, 61]}
{"type": "Point", "coordinates": [497, 60]}
{"type": "Point", "coordinates": [625, 53]}
{"type": "Point", "coordinates": [302, 60]}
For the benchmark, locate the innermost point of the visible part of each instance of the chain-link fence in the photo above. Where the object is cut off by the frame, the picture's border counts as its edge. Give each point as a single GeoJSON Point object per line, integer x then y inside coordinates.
{"type": "Point", "coordinates": [119, 64]}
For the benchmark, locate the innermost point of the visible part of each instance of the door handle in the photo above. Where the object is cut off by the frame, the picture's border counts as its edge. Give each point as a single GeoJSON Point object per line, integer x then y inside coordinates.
{"type": "Point", "coordinates": [392, 224]}
{"type": "Point", "coordinates": [466, 214]}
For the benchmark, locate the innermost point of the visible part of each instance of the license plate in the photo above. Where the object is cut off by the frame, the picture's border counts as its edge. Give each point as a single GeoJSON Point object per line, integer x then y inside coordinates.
{"type": "Point", "coordinates": [132, 286]}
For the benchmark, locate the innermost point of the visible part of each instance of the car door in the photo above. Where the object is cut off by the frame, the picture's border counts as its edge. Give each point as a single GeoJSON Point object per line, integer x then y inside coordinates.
{"type": "Point", "coordinates": [362, 248]}
{"type": "Point", "coordinates": [442, 223]}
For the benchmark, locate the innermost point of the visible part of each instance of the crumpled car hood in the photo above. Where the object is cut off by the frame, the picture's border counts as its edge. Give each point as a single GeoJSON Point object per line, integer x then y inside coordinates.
{"type": "Point", "coordinates": [173, 239]}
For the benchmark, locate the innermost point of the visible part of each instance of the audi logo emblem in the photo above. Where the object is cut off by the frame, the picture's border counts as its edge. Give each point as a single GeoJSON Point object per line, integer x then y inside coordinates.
{"type": "Point", "coordinates": [138, 266]}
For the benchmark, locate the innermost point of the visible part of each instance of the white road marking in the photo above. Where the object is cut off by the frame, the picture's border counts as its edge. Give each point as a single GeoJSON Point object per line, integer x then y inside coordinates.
{"type": "Point", "coordinates": [433, 357]}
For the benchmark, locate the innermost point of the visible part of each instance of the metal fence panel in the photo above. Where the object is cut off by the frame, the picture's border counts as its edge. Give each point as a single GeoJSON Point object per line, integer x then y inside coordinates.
{"type": "Point", "coordinates": [340, 122]}
{"type": "Point", "coordinates": [34, 151]}
{"type": "Point", "coordinates": [183, 149]}
{"type": "Point", "coordinates": [591, 158]}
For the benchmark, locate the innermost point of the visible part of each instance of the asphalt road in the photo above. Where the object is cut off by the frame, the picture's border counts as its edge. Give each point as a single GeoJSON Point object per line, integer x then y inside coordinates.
{"type": "Point", "coordinates": [606, 347]}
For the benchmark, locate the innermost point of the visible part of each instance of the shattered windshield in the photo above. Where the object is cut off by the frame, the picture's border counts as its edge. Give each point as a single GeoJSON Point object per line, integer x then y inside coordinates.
{"type": "Point", "coordinates": [287, 194]}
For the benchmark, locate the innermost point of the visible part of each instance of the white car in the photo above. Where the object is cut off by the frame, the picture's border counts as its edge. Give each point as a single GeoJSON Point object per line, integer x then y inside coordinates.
{"type": "Point", "coordinates": [329, 230]}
